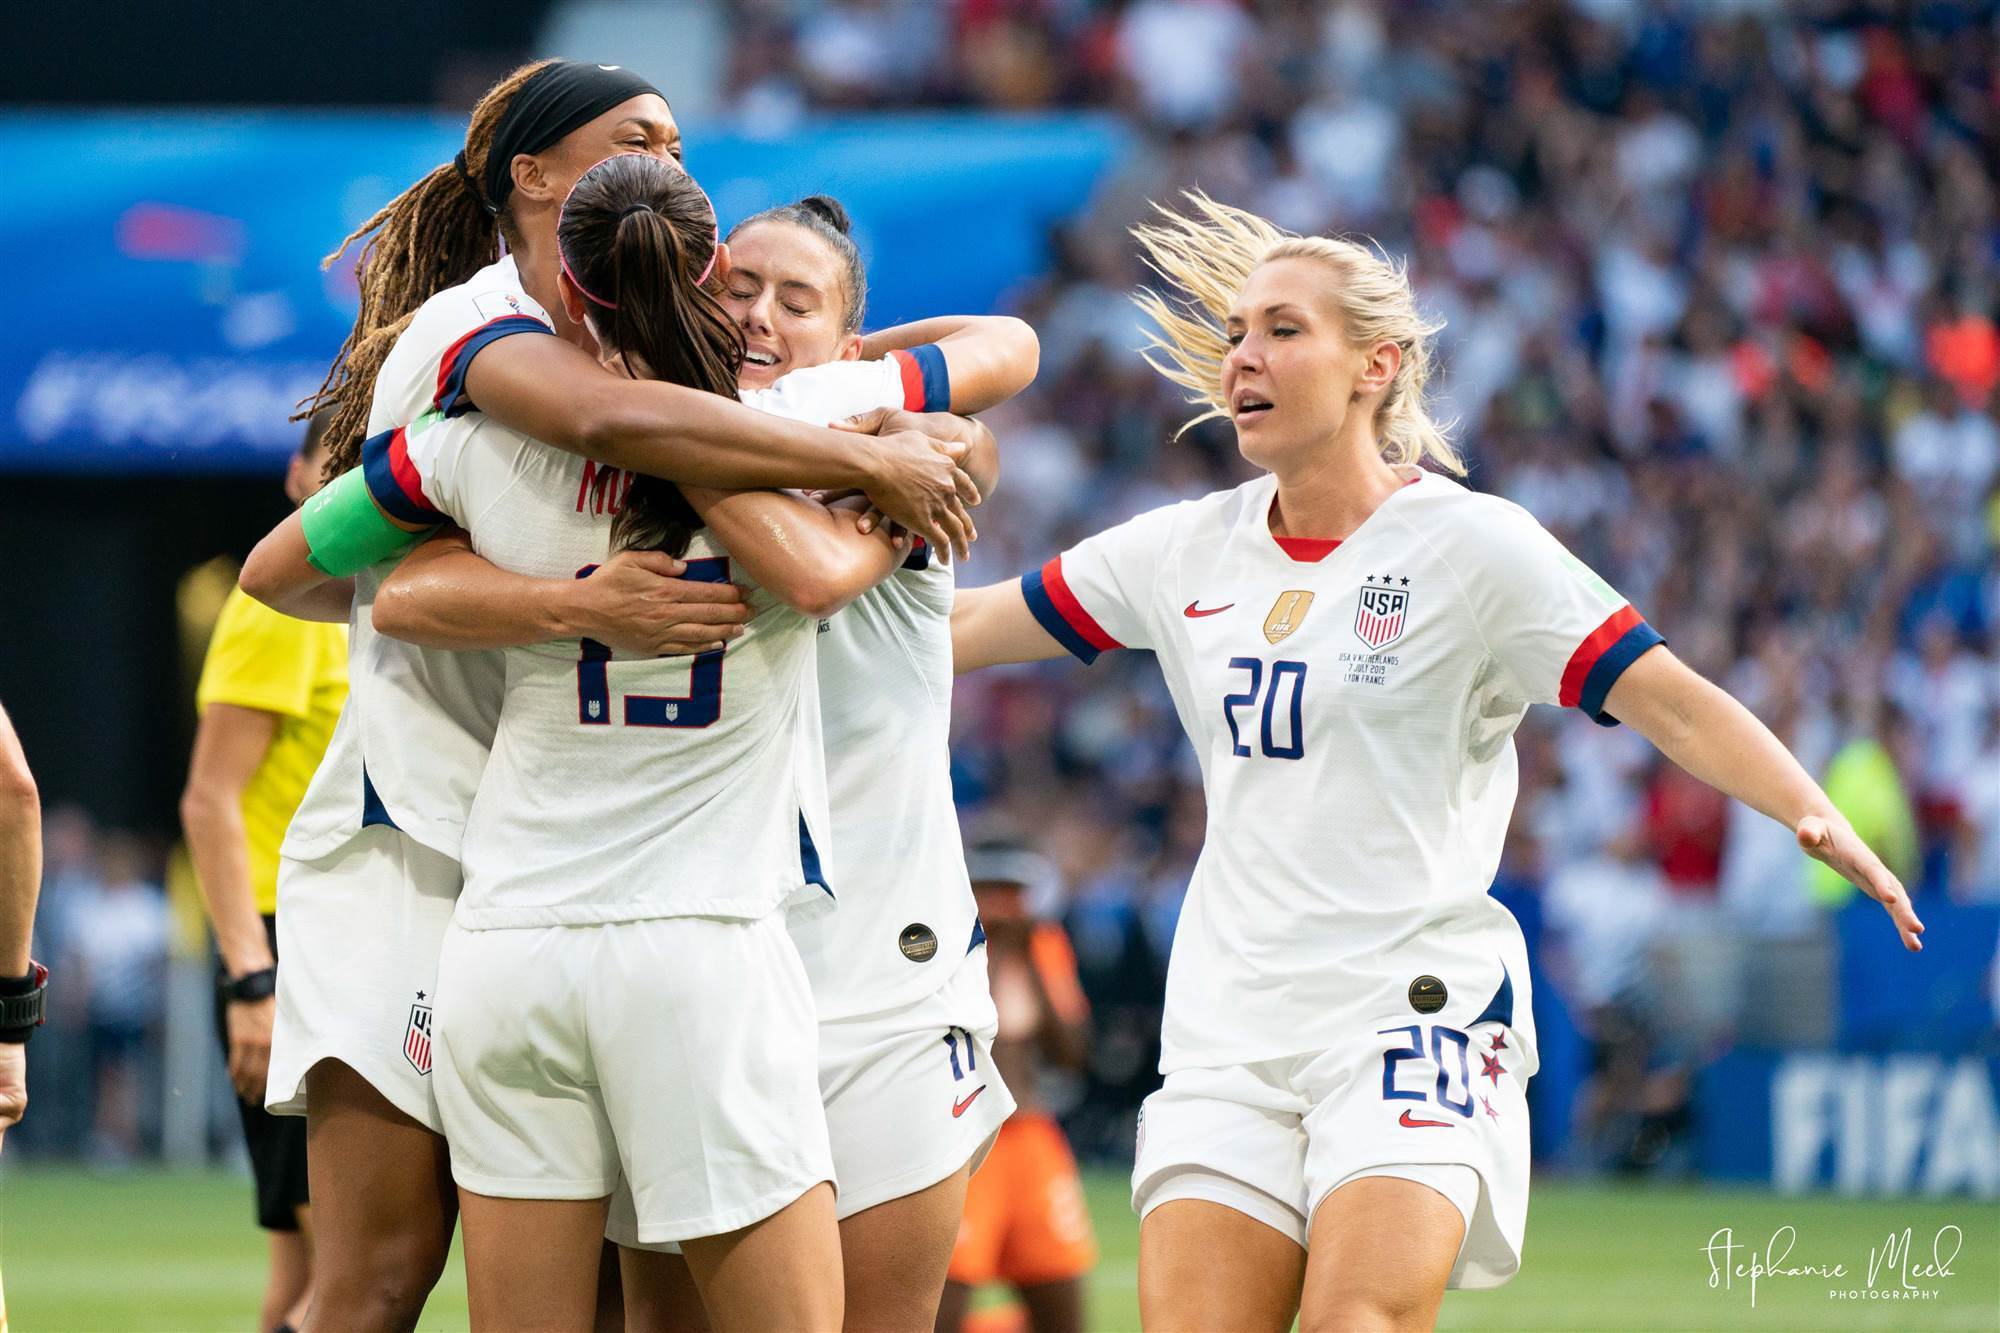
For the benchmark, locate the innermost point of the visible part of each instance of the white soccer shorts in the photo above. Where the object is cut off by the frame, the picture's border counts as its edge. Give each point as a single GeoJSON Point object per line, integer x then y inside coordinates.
{"type": "Point", "coordinates": [911, 1095]}
{"type": "Point", "coordinates": [677, 1053]}
{"type": "Point", "coordinates": [359, 931]}
{"type": "Point", "coordinates": [1294, 1129]}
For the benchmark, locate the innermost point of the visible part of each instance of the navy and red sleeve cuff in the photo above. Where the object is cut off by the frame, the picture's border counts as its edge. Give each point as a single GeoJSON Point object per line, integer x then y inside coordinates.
{"type": "Point", "coordinates": [1601, 659]}
{"type": "Point", "coordinates": [451, 398]}
{"type": "Point", "coordinates": [1055, 607]}
{"type": "Point", "coordinates": [393, 479]}
{"type": "Point", "coordinates": [926, 379]}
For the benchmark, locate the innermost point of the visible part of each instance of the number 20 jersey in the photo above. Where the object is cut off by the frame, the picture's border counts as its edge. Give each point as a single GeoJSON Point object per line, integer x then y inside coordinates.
{"type": "Point", "coordinates": [1352, 705]}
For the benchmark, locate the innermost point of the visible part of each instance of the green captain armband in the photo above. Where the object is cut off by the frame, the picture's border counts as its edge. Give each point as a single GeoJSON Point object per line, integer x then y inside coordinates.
{"type": "Point", "coordinates": [346, 532]}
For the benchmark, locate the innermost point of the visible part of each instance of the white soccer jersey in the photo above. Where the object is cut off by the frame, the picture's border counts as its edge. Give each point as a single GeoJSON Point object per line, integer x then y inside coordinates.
{"type": "Point", "coordinates": [413, 738]}
{"type": "Point", "coordinates": [906, 913]}
{"type": "Point", "coordinates": [619, 790]}
{"type": "Point", "coordinates": [914, 380]}
{"type": "Point", "coordinates": [906, 916]}
{"type": "Point", "coordinates": [1353, 707]}
{"type": "Point", "coordinates": [705, 810]}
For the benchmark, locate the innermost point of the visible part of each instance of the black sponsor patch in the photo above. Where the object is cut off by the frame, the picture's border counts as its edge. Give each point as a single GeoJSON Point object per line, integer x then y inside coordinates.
{"type": "Point", "coordinates": [918, 942]}
{"type": "Point", "coordinates": [1427, 995]}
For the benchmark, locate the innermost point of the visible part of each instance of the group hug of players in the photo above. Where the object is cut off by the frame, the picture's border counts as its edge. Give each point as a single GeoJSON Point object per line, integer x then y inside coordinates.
{"type": "Point", "coordinates": [628, 902]}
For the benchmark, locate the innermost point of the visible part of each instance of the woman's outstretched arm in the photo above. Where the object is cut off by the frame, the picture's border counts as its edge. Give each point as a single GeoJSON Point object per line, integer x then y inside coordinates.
{"type": "Point", "coordinates": [1699, 726]}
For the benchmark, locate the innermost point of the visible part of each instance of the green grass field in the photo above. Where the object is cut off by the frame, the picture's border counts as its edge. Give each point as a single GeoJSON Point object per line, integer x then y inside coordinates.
{"type": "Point", "coordinates": [83, 1251]}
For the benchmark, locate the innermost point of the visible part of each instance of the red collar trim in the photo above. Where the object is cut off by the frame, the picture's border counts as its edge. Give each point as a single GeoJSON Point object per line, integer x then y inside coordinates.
{"type": "Point", "coordinates": [1310, 550]}
{"type": "Point", "coordinates": [1306, 550]}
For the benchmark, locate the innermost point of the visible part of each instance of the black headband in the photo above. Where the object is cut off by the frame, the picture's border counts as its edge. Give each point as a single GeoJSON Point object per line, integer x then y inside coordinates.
{"type": "Point", "coordinates": [555, 100]}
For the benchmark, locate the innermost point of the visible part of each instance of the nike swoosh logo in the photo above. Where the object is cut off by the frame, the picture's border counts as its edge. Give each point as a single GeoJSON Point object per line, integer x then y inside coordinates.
{"type": "Point", "coordinates": [958, 1108]}
{"type": "Point", "coordinates": [1408, 1123]}
{"type": "Point", "coordinates": [1193, 613]}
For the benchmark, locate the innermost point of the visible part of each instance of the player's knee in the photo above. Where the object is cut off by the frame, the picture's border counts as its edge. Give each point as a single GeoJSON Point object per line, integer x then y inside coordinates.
{"type": "Point", "coordinates": [20, 800]}
{"type": "Point", "coordinates": [390, 1301]}
{"type": "Point", "coordinates": [386, 1289]}
{"type": "Point", "coordinates": [1370, 1312]}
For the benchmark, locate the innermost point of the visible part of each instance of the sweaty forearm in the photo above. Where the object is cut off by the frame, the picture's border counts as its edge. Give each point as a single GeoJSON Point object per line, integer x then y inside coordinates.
{"type": "Point", "coordinates": [457, 600]}
{"type": "Point", "coordinates": [808, 556]}
{"type": "Point", "coordinates": [701, 439]}
{"type": "Point", "coordinates": [553, 392]}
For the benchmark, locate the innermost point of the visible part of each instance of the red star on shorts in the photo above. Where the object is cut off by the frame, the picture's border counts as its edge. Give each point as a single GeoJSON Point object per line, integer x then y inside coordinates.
{"type": "Point", "coordinates": [1499, 1042]}
{"type": "Point", "coordinates": [1489, 1108]}
{"type": "Point", "coordinates": [1491, 1068]}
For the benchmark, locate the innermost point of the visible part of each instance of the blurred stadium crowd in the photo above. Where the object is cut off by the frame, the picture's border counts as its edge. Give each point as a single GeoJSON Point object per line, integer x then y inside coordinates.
{"type": "Point", "coordinates": [1718, 281]}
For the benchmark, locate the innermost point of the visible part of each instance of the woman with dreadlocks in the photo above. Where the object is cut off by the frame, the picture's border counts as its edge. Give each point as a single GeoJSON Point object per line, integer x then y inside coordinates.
{"type": "Point", "coordinates": [619, 999]}
{"type": "Point", "coordinates": [371, 866]}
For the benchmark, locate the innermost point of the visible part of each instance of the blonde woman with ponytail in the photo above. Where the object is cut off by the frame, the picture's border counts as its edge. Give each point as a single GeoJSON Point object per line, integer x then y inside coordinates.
{"type": "Point", "coordinates": [1351, 640]}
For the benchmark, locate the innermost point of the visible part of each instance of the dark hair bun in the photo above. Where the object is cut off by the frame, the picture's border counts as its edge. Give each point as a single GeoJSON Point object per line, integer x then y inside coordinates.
{"type": "Point", "coordinates": [828, 208]}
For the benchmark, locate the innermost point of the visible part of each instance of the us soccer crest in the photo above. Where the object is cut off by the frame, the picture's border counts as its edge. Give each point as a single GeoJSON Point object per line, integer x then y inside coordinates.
{"type": "Point", "coordinates": [417, 1037]}
{"type": "Point", "coordinates": [1287, 614]}
{"type": "Point", "coordinates": [1381, 616]}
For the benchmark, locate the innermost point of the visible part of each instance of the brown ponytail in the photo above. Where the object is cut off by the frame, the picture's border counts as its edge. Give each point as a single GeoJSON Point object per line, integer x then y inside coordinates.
{"type": "Point", "coordinates": [434, 235]}
{"type": "Point", "coordinates": [637, 236]}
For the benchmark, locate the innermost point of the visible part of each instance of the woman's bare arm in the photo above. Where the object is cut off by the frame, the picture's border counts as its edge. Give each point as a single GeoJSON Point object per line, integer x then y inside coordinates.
{"type": "Point", "coordinates": [990, 357]}
{"type": "Point", "coordinates": [279, 575]}
{"type": "Point", "coordinates": [1700, 727]}
{"type": "Point", "coordinates": [992, 625]}
{"type": "Point", "coordinates": [556, 393]}
{"type": "Point", "coordinates": [444, 594]}
{"type": "Point", "coordinates": [810, 557]}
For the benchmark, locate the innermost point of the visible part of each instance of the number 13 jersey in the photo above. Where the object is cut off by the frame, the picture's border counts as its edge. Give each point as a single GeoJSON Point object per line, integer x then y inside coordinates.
{"type": "Point", "coordinates": [1353, 706]}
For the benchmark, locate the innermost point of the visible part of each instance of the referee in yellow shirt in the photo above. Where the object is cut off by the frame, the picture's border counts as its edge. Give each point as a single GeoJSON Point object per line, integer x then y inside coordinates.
{"type": "Point", "coordinates": [271, 690]}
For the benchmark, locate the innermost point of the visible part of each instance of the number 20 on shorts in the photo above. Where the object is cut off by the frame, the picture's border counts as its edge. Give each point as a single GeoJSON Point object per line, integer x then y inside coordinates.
{"type": "Point", "coordinates": [1396, 1082]}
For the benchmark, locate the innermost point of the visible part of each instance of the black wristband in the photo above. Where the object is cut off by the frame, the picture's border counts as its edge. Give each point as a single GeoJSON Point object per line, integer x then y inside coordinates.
{"type": "Point", "coordinates": [259, 985]}
{"type": "Point", "coordinates": [21, 1004]}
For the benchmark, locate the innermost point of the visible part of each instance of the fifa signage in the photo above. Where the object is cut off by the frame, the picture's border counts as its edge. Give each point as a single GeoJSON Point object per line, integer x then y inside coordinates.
{"type": "Point", "coordinates": [1905, 1123]}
